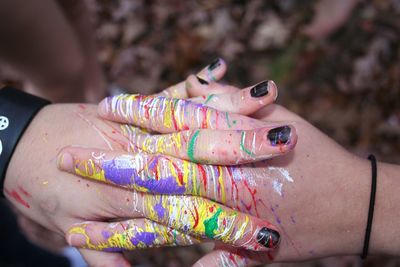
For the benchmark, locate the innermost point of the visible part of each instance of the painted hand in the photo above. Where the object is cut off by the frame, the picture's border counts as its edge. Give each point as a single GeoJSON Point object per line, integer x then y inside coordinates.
{"type": "Point", "coordinates": [302, 192]}
{"type": "Point", "coordinates": [145, 170]}
{"type": "Point", "coordinates": [55, 200]}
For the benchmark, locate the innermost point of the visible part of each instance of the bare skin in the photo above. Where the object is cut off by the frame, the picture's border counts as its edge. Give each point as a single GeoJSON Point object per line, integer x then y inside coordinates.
{"type": "Point", "coordinates": [56, 201]}
{"type": "Point", "coordinates": [321, 211]}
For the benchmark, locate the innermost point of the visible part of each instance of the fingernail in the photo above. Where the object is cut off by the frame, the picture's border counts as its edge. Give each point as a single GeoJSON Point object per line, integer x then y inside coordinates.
{"type": "Point", "coordinates": [268, 238]}
{"type": "Point", "coordinates": [260, 89]}
{"type": "Point", "coordinates": [76, 240]}
{"type": "Point", "coordinates": [65, 161]}
{"type": "Point", "coordinates": [201, 80]}
{"type": "Point", "coordinates": [280, 135]}
{"type": "Point", "coordinates": [215, 64]}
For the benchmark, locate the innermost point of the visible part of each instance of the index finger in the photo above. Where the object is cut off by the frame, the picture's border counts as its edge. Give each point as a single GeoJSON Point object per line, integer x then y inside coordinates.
{"type": "Point", "coordinates": [167, 115]}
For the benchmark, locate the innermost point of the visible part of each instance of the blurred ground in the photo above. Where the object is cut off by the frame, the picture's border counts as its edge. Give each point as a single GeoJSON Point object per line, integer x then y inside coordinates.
{"type": "Point", "coordinates": [337, 65]}
{"type": "Point", "coordinates": [345, 79]}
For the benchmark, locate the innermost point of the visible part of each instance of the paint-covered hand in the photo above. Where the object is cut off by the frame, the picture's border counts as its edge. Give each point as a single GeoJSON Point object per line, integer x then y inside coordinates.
{"type": "Point", "coordinates": [303, 192]}
{"type": "Point", "coordinates": [317, 194]}
{"type": "Point", "coordinates": [35, 186]}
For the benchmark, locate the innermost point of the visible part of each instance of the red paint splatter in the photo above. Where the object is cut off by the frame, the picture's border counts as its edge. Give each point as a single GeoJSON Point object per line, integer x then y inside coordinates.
{"type": "Point", "coordinates": [253, 196]}
{"type": "Point", "coordinates": [232, 259]}
{"type": "Point", "coordinates": [203, 175]}
{"type": "Point", "coordinates": [14, 194]}
{"type": "Point", "coordinates": [178, 170]}
{"type": "Point", "coordinates": [173, 116]}
{"type": "Point", "coordinates": [194, 216]}
{"type": "Point", "coordinates": [82, 106]}
{"type": "Point", "coordinates": [233, 185]}
{"type": "Point", "coordinates": [24, 191]}
{"type": "Point", "coordinates": [270, 257]}
{"type": "Point", "coordinates": [204, 121]}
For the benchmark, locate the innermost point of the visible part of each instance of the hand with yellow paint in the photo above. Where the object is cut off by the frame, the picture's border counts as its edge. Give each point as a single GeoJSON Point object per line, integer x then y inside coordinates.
{"type": "Point", "coordinates": [317, 194]}
{"type": "Point", "coordinates": [56, 200]}
{"type": "Point", "coordinates": [178, 171]}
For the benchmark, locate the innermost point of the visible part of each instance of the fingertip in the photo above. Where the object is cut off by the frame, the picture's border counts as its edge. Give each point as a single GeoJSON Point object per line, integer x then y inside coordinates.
{"type": "Point", "coordinates": [282, 135]}
{"type": "Point", "coordinates": [273, 89]}
{"type": "Point", "coordinates": [266, 89]}
{"type": "Point", "coordinates": [268, 238]}
{"type": "Point", "coordinates": [75, 239]}
{"type": "Point", "coordinates": [65, 160]}
{"type": "Point", "coordinates": [102, 108]}
{"type": "Point", "coordinates": [293, 137]}
{"type": "Point", "coordinates": [214, 71]}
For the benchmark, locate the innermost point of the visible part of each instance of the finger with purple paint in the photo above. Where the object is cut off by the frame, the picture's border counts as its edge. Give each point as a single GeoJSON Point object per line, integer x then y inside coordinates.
{"type": "Point", "coordinates": [161, 174]}
{"type": "Point", "coordinates": [205, 219]}
{"type": "Point", "coordinates": [167, 115]}
{"type": "Point", "coordinates": [126, 235]}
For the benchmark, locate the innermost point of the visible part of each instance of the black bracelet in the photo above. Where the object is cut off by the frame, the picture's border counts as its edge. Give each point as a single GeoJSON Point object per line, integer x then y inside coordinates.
{"type": "Point", "coordinates": [17, 109]}
{"type": "Point", "coordinates": [371, 207]}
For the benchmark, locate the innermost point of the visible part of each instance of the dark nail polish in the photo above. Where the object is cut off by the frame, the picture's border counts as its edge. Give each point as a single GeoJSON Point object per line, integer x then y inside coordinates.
{"type": "Point", "coordinates": [260, 89]}
{"type": "Point", "coordinates": [268, 238]}
{"type": "Point", "coordinates": [215, 64]}
{"type": "Point", "coordinates": [279, 135]}
{"type": "Point", "coordinates": [201, 80]}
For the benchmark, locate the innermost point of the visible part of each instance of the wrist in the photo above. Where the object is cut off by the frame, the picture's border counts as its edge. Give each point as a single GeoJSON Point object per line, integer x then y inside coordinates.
{"type": "Point", "coordinates": [17, 109]}
{"type": "Point", "coordinates": [353, 194]}
{"type": "Point", "coordinates": [385, 234]}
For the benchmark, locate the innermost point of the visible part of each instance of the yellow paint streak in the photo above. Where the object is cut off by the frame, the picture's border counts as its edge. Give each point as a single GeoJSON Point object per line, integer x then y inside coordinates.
{"type": "Point", "coordinates": [181, 214]}
{"type": "Point", "coordinates": [221, 185]}
{"type": "Point", "coordinates": [90, 170]}
{"type": "Point", "coordinates": [195, 175]}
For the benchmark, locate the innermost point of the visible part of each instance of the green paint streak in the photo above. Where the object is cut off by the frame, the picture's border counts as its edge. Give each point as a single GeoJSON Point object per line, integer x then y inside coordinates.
{"type": "Point", "coordinates": [234, 122]}
{"type": "Point", "coordinates": [176, 102]}
{"type": "Point", "coordinates": [211, 224]}
{"type": "Point", "coordinates": [210, 75]}
{"type": "Point", "coordinates": [175, 241]}
{"type": "Point", "coordinates": [192, 143]}
{"type": "Point", "coordinates": [227, 119]}
{"type": "Point", "coordinates": [242, 147]}
{"type": "Point", "coordinates": [209, 98]}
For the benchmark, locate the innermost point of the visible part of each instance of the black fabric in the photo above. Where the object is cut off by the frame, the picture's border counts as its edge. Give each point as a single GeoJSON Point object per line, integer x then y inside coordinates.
{"type": "Point", "coordinates": [17, 109]}
{"type": "Point", "coordinates": [17, 251]}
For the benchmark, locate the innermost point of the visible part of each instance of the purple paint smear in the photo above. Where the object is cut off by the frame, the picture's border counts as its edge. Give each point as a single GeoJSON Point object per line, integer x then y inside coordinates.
{"type": "Point", "coordinates": [144, 237]}
{"type": "Point", "coordinates": [106, 234]}
{"type": "Point", "coordinates": [113, 249]}
{"type": "Point", "coordinates": [160, 210]}
{"type": "Point", "coordinates": [121, 171]}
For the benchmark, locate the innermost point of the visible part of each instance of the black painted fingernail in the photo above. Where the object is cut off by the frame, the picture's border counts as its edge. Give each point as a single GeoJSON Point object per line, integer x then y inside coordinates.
{"type": "Point", "coordinates": [215, 64]}
{"type": "Point", "coordinates": [201, 80]}
{"type": "Point", "coordinates": [268, 238]}
{"type": "Point", "coordinates": [260, 89]}
{"type": "Point", "coordinates": [279, 135]}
